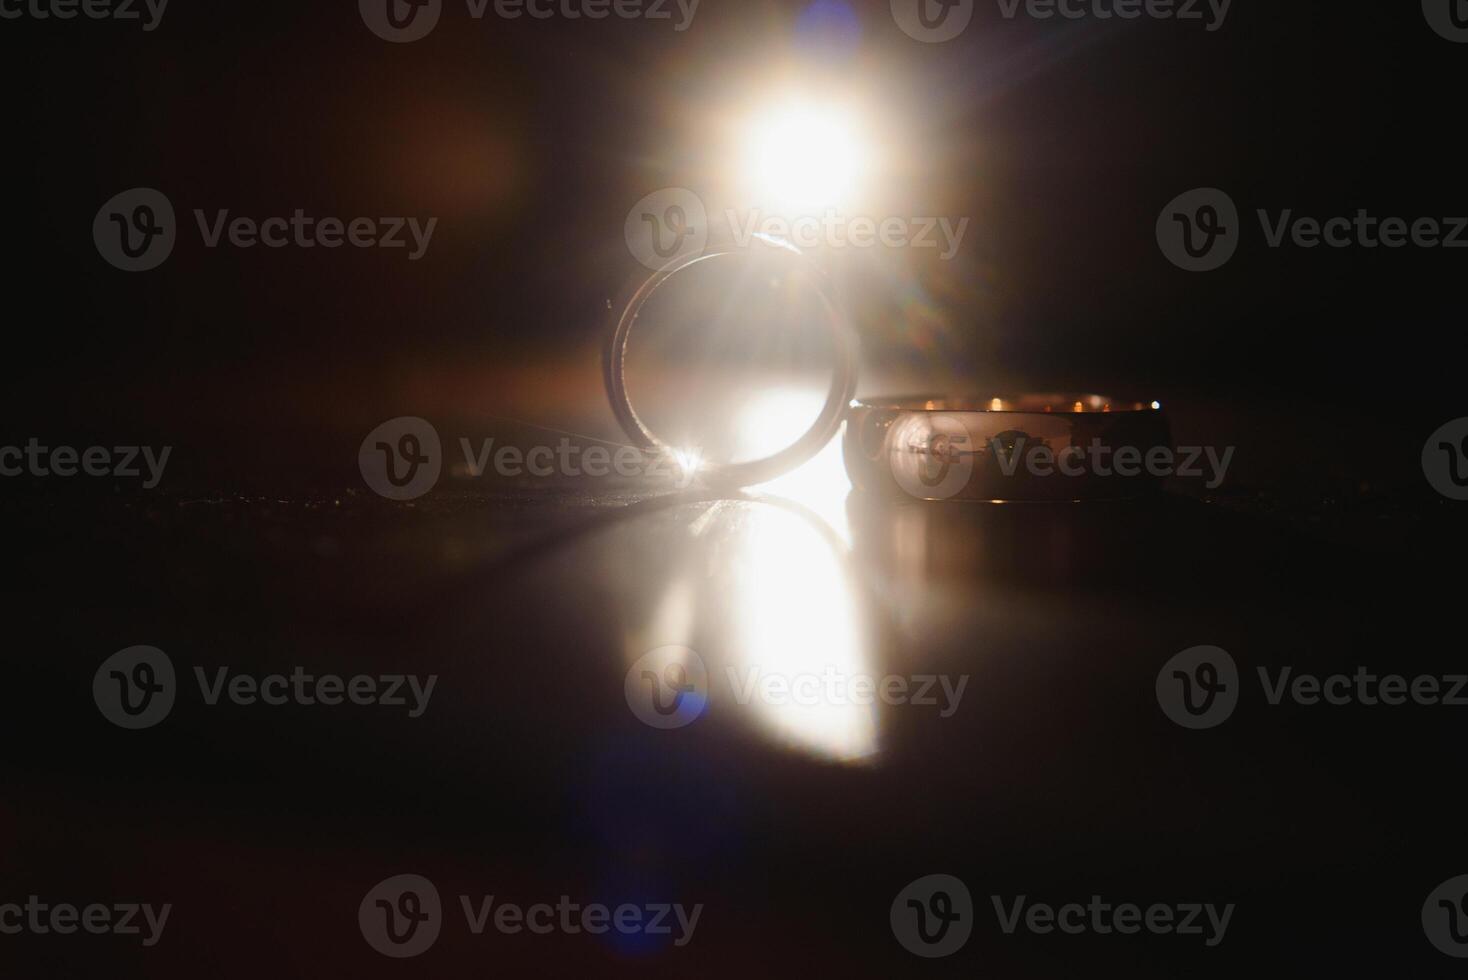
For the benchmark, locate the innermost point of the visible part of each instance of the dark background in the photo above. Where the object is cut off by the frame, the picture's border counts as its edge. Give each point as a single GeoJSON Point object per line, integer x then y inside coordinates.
{"type": "Point", "coordinates": [530, 140]}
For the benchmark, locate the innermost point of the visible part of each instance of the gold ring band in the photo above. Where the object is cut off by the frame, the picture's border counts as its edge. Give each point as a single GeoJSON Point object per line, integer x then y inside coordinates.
{"type": "Point", "coordinates": [1027, 447]}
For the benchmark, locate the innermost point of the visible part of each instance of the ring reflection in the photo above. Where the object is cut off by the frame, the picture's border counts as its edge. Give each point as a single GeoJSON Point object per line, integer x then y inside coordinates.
{"type": "Point", "coordinates": [767, 597]}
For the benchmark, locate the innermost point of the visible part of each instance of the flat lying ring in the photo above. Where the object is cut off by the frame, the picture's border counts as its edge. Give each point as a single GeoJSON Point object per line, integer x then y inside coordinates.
{"type": "Point", "coordinates": [1030, 447]}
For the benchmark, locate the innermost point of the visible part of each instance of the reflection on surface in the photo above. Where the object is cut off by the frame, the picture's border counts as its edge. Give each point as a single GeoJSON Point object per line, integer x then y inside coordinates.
{"type": "Point", "coordinates": [761, 588]}
{"type": "Point", "coordinates": [821, 484]}
{"type": "Point", "coordinates": [793, 616]}
{"type": "Point", "coordinates": [791, 604]}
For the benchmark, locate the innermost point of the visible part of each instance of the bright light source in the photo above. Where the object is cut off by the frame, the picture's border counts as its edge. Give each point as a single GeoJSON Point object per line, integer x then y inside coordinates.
{"type": "Point", "coordinates": [803, 157]}
{"type": "Point", "coordinates": [688, 461]}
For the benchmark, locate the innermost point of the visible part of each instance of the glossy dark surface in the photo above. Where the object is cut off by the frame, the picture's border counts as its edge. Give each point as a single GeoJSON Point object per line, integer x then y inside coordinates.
{"type": "Point", "coordinates": [1057, 777]}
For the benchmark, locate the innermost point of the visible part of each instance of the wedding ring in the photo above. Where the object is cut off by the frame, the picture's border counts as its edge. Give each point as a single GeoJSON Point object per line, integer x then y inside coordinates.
{"type": "Point", "coordinates": [1029, 447]}
{"type": "Point", "coordinates": [826, 424]}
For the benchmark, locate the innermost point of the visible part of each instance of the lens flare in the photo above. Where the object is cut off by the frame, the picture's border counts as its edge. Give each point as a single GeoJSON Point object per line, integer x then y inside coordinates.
{"type": "Point", "coordinates": [803, 156]}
